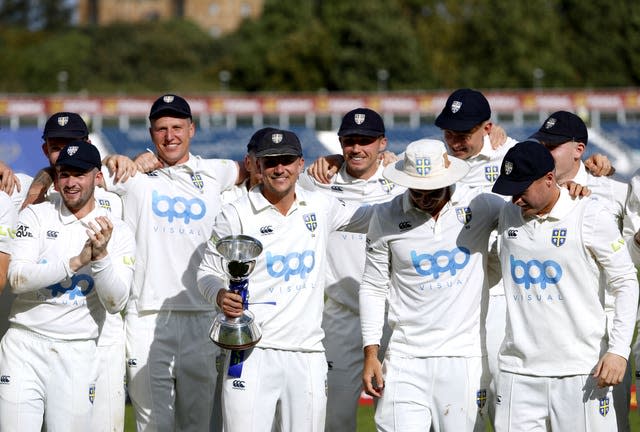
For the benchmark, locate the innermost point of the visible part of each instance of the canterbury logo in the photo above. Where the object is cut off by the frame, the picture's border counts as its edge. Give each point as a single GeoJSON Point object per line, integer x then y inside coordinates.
{"type": "Point", "coordinates": [404, 225]}
{"type": "Point", "coordinates": [267, 229]}
{"type": "Point", "coordinates": [238, 384]}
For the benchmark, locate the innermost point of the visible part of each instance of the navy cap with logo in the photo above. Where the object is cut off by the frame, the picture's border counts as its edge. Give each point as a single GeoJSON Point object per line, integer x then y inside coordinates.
{"type": "Point", "coordinates": [464, 110]}
{"type": "Point", "coordinates": [560, 127]}
{"type": "Point", "coordinates": [65, 125]}
{"type": "Point", "coordinates": [362, 122]}
{"type": "Point", "coordinates": [170, 105]}
{"type": "Point", "coordinates": [256, 137]}
{"type": "Point", "coordinates": [523, 164]}
{"type": "Point", "coordinates": [279, 143]}
{"type": "Point", "coordinates": [80, 155]}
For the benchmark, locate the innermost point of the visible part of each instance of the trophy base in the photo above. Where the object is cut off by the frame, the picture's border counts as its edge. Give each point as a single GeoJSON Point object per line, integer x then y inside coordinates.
{"type": "Point", "coordinates": [237, 334]}
{"type": "Point", "coordinates": [237, 347]}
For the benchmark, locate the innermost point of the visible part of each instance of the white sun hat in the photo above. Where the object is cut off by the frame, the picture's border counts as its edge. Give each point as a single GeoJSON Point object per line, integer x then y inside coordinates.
{"type": "Point", "coordinates": [426, 166]}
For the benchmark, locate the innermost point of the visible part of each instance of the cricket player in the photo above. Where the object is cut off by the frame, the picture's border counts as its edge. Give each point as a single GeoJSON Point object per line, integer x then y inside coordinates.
{"type": "Point", "coordinates": [71, 266]}
{"type": "Point", "coordinates": [427, 256]}
{"type": "Point", "coordinates": [170, 359]}
{"type": "Point", "coordinates": [565, 135]}
{"type": "Point", "coordinates": [359, 180]}
{"type": "Point", "coordinates": [286, 371]}
{"type": "Point", "coordinates": [60, 129]}
{"type": "Point", "coordinates": [559, 358]}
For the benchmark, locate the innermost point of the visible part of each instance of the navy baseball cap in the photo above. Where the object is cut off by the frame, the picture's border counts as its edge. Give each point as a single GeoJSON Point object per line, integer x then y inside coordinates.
{"type": "Point", "coordinates": [464, 110]}
{"type": "Point", "coordinates": [81, 155]}
{"type": "Point", "coordinates": [523, 164]}
{"type": "Point", "coordinates": [363, 122]}
{"type": "Point", "coordinates": [279, 143]}
{"type": "Point", "coordinates": [65, 125]}
{"type": "Point", "coordinates": [256, 137]}
{"type": "Point", "coordinates": [560, 127]}
{"type": "Point", "coordinates": [170, 105]}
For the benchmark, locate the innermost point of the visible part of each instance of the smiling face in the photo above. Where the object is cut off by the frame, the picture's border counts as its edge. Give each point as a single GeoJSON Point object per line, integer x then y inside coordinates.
{"type": "Point", "coordinates": [172, 137]}
{"type": "Point", "coordinates": [279, 175]}
{"type": "Point", "coordinates": [76, 188]}
{"type": "Point", "coordinates": [362, 154]}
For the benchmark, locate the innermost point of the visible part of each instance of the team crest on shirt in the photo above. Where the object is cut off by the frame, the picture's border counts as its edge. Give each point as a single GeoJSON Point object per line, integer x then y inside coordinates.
{"type": "Point", "coordinates": [603, 406]}
{"type": "Point", "coordinates": [491, 172]}
{"type": "Point", "coordinates": [196, 179]}
{"type": "Point", "coordinates": [310, 221]}
{"type": "Point", "coordinates": [463, 214]}
{"type": "Point", "coordinates": [63, 120]}
{"type": "Point", "coordinates": [92, 393]}
{"type": "Point", "coordinates": [558, 236]}
{"type": "Point", "coordinates": [387, 186]}
{"type": "Point", "coordinates": [455, 106]}
{"type": "Point", "coordinates": [105, 204]}
{"type": "Point", "coordinates": [423, 166]}
{"type": "Point", "coordinates": [481, 398]}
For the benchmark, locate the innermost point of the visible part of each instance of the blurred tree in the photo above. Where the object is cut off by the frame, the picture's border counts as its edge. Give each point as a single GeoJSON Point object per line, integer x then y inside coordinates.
{"type": "Point", "coordinates": [36, 14]}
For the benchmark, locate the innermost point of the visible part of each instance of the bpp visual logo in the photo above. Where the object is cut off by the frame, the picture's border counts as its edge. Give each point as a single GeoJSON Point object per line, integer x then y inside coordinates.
{"type": "Point", "coordinates": [292, 264]}
{"type": "Point", "coordinates": [177, 207]}
{"type": "Point", "coordinates": [535, 272]}
{"type": "Point", "coordinates": [441, 262]}
{"type": "Point", "coordinates": [81, 285]}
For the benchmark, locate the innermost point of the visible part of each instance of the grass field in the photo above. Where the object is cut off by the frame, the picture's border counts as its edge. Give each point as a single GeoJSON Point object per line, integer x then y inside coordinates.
{"type": "Point", "coordinates": [365, 420]}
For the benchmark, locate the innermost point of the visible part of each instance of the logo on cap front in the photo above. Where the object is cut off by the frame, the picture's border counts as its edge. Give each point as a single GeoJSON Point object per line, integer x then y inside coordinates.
{"type": "Point", "coordinates": [276, 138]}
{"type": "Point", "coordinates": [359, 118]}
{"type": "Point", "coordinates": [508, 167]}
{"type": "Point", "coordinates": [168, 98]}
{"type": "Point", "coordinates": [71, 150]}
{"type": "Point", "coordinates": [550, 123]}
{"type": "Point", "coordinates": [63, 120]}
{"type": "Point", "coordinates": [455, 106]}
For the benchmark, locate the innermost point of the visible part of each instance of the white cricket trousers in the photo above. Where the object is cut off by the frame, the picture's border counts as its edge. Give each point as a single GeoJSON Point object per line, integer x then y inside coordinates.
{"type": "Point", "coordinates": [277, 390]}
{"type": "Point", "coordinates": [572, 404]}
{"type": "Point", "coordinates": [433, 394]}
{"type": "Point", "coordinates": [171, 370]}
{"type": "Point", "coordinates": [44, 379]}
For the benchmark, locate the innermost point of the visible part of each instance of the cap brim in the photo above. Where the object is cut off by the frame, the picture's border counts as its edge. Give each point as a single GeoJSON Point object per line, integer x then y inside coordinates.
{"type": "Point", "coordinates": [267, 153]}
{"type": "Point", "coordinates": [506, 187]}
{"type": "Point", "coordinates": [77, 165]}
{"type": "Point", "coordinates": [456, 171]}
{"type": "Point", "coordinates": [169, 112]}
{"type": "Point", "coordinates": [548, 138]}
{"type": "Point", "coordinates": [66, 134]}
{"type": "Point", "coordinates": [360, 132]}
{"type": "Point", "coordinates": [457, 125]}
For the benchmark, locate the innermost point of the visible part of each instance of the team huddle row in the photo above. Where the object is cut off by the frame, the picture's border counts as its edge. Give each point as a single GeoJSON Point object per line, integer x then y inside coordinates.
{"type": "Point", "coordinates": [467, 282]}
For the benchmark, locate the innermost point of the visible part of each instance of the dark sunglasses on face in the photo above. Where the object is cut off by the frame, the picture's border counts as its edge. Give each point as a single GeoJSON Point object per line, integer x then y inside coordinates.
{"type": "Point", "coordinates": [274, 161]}
{"type": "Point", "coordinates": [360, 140]}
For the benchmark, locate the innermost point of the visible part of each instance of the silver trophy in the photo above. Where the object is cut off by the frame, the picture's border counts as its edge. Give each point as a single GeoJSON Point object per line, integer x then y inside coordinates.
{"type": "Point", "coordinates": [239, 255]}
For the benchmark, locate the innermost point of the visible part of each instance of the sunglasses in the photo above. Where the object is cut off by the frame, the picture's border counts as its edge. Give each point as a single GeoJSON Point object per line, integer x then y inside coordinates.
{"type": "Point", "coordinates": [360, 140]}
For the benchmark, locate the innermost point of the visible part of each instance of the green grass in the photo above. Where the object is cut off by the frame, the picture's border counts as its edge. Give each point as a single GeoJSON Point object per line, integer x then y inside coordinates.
{"type": "Point", "coordinates": [365, 420]}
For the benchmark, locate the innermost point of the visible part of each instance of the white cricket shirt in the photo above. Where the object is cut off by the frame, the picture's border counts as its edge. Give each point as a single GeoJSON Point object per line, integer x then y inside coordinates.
{"type": "Point", "coordinates": [346, 252]}
{"type": "Point", "coordinates": [172, 210]}
{"type": "Point", "coordinates": [290, 270]}
{"type": "Point", "coordinates": [8, 218]}
{"type": "Point", "coordinates": [436, 270]}
{"type": "Point", "coordinates": [551, 266]}
{"type": "Point", "coordinates": [51, 299]}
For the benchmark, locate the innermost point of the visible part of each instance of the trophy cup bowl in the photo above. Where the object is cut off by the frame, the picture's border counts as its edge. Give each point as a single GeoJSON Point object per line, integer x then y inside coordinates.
{"type": "Point", "coordinates": [239, 255]}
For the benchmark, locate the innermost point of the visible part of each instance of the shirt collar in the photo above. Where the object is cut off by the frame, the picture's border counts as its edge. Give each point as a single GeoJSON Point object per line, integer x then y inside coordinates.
{"type": "Point", "coordinates": [67, 217]}
{"type": "Point", "coordinates": [260, 203]}
{"type": "Point", "coordinates": [343, 177]}
{"type": "Point", "coordinates": [407, 205]}
{"type": "Point", "coordinates": [561, 208]}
